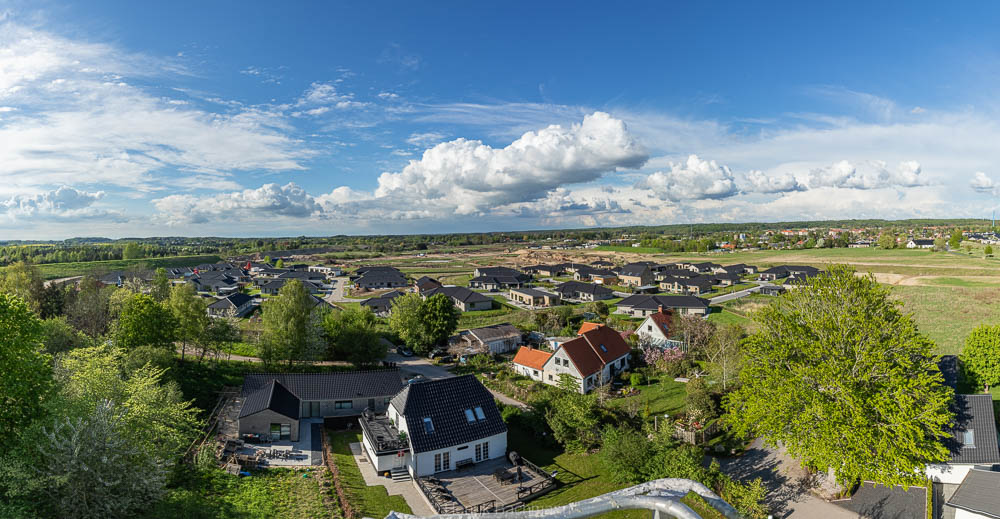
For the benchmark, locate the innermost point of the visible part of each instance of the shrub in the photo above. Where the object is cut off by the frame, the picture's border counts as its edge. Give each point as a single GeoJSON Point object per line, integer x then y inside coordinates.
{"type": "Point", "coordinates": [636, 379]}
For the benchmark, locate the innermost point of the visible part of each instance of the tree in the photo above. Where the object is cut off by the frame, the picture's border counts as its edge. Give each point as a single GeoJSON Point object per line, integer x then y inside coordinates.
{"type": "Point", "coordinates": [575, 421]}
{"type": "Point", "coordinates": [219, 332]}
{"type": "Point", "coordinates": [52, 300]}
{"type": "Point", "coordinates": [600, 308]}
{"type": "Point", "coordinates": [25, 281]}
{"type": "Point", "coordinates": [723, 352]}
{"type": "Point", "coordinates": [132, 250]}
{"type": "Point", "coordinates": [404, 321]}
{"type": "Point", "coordinates": [440, 318]}
{"type": "Point", "coordinates": [988, 250]}
{"type": "Point", "coordinates": [90, 312]}
{"type": "Point", "coordinates": [423, 324]}
{"type": "Point", "coordinates": [351, 335]}
{"type": "Point", "coordinates": [955, 241]}
{"type": "Point", "coordinates": [279, 264]}
{"type": "Point", "coordinates": [887, 241]}
{"type": "Point", "coordinates": [290, 326]}
{"type": "Point", "coordinates": [940, 244]}
{"type": "Point", "coordinates": [695, 331]}
{"type": "Point", "coordinates": [844, 380]}
{"type": "Point", "coordinates": [58, 336]}
{"type": "Point", "coordinates": [160, 288]}
{"type": "Point", "coordinates": [981, 355]}
{"type": "Point", "coordinates": [189, 310]}
{"type": "Point", "coordinates": [700, 406]}
{"type": "Point", "coordinates": [145, 322]}
{"type": "Point", "coordinates": [25, 374]}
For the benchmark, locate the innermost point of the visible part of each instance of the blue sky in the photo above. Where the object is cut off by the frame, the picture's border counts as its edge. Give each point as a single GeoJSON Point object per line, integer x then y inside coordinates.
{"type": "Point", "coordinates": [254, 118]}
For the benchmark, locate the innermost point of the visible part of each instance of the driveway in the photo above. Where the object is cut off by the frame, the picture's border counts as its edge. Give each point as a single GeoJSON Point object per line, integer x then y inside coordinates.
{"type": "Point", "coordinates": [736, 295]}
{"type": "Point", "coordinates": [336, 294]}
{"type": "Point", "coordinates": [786, 481]}
{"type": "Point", "coordinates": [420, 366]}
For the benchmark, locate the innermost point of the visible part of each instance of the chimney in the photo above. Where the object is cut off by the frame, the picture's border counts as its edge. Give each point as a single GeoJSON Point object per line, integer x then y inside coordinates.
{"type": "Point", "coordinates": [659, 309]}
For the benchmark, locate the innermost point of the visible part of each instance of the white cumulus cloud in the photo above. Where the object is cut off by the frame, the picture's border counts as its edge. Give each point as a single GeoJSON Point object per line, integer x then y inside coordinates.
{"type": "Point", "coordinates": [267, 201]}
{"type": "Point", "coordinates": [872, 174]}
{"type": "Point", "coordinates": [694, 179]}
{"type": "Point", "coordinates": [760, 182]}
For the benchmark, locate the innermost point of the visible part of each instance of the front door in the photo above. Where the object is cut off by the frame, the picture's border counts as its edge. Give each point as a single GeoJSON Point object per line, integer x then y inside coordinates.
{"type": "Point", "coordinates": [371, 404]}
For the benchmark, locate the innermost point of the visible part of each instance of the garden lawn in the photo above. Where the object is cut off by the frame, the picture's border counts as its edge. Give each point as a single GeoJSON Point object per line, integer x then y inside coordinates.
{"type": "Point", "coordinates": [662, 396]}
{"type": "Point", "coordinates": [267, 494]}
{"type": "Point", "coordinates": [367, 501]}
{"type": "Point", "coordinates": [947, 314]}
{"type": "Point", "coordinates": [723, 316]}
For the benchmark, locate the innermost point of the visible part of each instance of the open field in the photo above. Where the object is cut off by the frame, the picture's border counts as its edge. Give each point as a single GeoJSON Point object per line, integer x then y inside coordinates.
{"type": "Point", "coordinates": [273, 493]}
{"type": "Point", "coordinates": [81, 268]}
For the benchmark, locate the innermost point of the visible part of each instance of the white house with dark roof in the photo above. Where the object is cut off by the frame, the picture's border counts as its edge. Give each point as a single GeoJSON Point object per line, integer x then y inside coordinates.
{"type": "Point", "coordinates": [973, 444]}
{"type": "Point", "coordinates": [435, 426]}
{"type": "Point", "coordinates": [593, 359]}
{"type": "Point", "coordinates": [464, 299]}
{"type": "Point", "coordinates": [236, 305]}
{"type": "Point", "coordinates": [577, 291]}
{"type": "Point", "coordinates": [642, 305]}
{"type": "Point", "coordinates": [978, 497]}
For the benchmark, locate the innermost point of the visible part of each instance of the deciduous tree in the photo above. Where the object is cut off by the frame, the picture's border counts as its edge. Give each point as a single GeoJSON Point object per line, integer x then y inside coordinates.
{"type": "Point", "coordinates": [160, 286]}
{"type": "Point", "coordinates": [25, 374]}
{"type": "Point", "coordinates": [25, 281]}
{"type": "Point", "coordinates": [723, 353]}
{"type": "Point", "coordinates": [844, 380]}
{"type": "Point", "coordinates": [145, 322]}
{"type": "Point", "coordinates": [981, 355]}
{"type": "Point", "coordinates": [291, 327]}
{"type": "Point", "coordinates": [189, 310]}
{"type": "Point", "coordinates": [351, 335]}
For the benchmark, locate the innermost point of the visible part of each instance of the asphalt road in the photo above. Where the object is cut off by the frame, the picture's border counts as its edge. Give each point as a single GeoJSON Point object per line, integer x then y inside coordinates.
{"type": "Point", "coordinates": [736, 295]}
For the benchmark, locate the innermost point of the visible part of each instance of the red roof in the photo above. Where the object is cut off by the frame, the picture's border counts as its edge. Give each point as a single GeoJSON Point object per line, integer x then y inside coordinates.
{"type": "Point", "coordinates": [594, 349]}
{"type": "Point", "coordinates": [531, 357]}
{"type": "Point", "coordinates": [662, 319]}
{"type": "Point", "coordinates": [587, 326]}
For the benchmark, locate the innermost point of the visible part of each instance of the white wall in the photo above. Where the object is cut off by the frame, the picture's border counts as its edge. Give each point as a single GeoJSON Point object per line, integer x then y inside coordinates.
{"type": "Point", "coordinates": [424, 465]}
{"type": "Point", "coordinates": [529, 372]}
{"type": "Point", "coordinates": [553, 370]}
{"type": "Point", "coordinates": [965, 514]}
{"type": "Point", "coordinates": [384, 462]}
{"type": "Point", "coordinates": [952, 474]}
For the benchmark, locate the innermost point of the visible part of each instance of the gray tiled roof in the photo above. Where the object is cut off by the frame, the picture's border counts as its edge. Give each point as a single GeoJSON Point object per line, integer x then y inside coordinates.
{"type": "Point", "coordinates": [444, 401]}
{"type": "Point", "coordinates": [648, 302]}
{"type": "Point", "coordinates": [459, 293]}
{"type": "Point", "coordinates": [234, 301]}
{"type": "Point", "coordinates": [974, 413]}
{"type": "Point", "coordinates": [979, 493]}
{"type": "Point", "coordinates": [585, 288]}
{"type": "Point", "coordinates": [273, 396]}
{"type": "Point", "coordinates": [338, 385]}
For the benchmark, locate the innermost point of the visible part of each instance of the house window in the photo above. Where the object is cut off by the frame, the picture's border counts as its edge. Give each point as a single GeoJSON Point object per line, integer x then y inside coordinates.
{"type": "Point", "coordinates": [535, 372]}
{"type": "Point", "coordinates": [649, 327]}
{"type": "Point", "coordinates": [446, 460]}
{"type": "Point", "coordinates": [343, 404]}
{"type": "Point", "coordinates": [969, 439]}
{"type": "Point", "coordinates": [437, 462]}
{"type": "Point", "coordinates": [428, 426]}
{"type": "Point", "coordinates": [469, 416]}
{"type": "Point", "coordinates": [603, 348]}
{"type": "Point", "coordinates": [479, 452]}
{"type": "Point", "coordinates": [479, 413]}
{"type": "Point", "coordinates": [486, 450]}
{"type": "Point", "coordinates": [550, 376]}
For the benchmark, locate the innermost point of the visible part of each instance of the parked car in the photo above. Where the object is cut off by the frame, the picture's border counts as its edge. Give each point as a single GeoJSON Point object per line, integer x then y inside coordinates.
{"type": "Point", "coordinates": [447, 359]}
{"type": "Point", "coordinates": [406, 352]}
{"type": "Point", "coordinates": [417, 378]}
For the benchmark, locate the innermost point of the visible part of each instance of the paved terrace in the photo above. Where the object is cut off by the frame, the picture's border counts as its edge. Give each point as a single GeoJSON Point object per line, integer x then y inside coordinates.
{"type": "Point", "coordinates": [476, 485]}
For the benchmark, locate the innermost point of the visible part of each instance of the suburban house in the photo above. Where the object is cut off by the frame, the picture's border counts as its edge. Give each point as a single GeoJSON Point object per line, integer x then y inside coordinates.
{"type": "Point", "coordinates": [304, 275]}
{"type": "Point", "coordinates": [533, 297]}
{"type": "Point", "coordinates": [425, 283]}
{"type": "Point", "coordinates": [978, 496]}
{"type": "Point", "coordinates": [382, 304]}
{"type": "Point", "coordinates": [725, 279]}
{"type": "Point", "coordinates": [545, 270]}
{"type": "Point", "coordinates": [217, 283]}
{"type": "Point", "coordinates": [591, 274]}
{"type": "Point", "coordinates": [236, 305]}
{"type": "Point", "coordinates": [974, 451]}
{"type": "Point", "coordinates": [530, 362]}
{"type": "Point", "coordinates": [117, 278]}
{"type": "Point", "coordinates": [498, 338]}
{"type": "Point", "coordinates": [465, 300]}
{"type": "Point", "coordinates": [592, 359]}
{"type": "Point", "coordinates": [379, 277]}
{"type": "Point", "coordinates": [696, 285]}
{"type": "Point", "coordinates": [272, 287]}
{"type": "Point", "coordinates": [435, 426]}
{"type": "Point", "coordinates": [772, 290]}
{"type": "Point", "coordinates": [635, 275]}
{"type": "Point", "coordinates": [784, 271]}
{"type": "Point", "coordinates": [326, 270]}
{"type": "Point", "coordinates": [703, 268]}
{"type": "Point", "coordinates": [577, 291]}
{"type": "Point", "coordinates": [655, 329]}
{"type": "Point", "coordinates": [602, 264]}
{"type": "Point", "coordinates": [641, 305]}
{"type": "Point", "coordinates": [739, 268]}
{"type": "Point", "coordinates": [497, 278]}
{"type": "Point", "coordinates": [586, 327]}
{"type": "Point", "coordinates": [275, 403]}
{"type": "Point", "coordinates": [919, 244]}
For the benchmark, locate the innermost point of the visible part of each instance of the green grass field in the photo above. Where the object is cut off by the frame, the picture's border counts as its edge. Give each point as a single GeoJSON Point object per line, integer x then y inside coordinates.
{"type": "Point", "coordinates": [82, 268]}
{"type": "Point", "coordinates": [267, 494]}
{"type": "Point", "coordinates": [660, 396]}
{"type": "Point", "coordinates": [367, 501]}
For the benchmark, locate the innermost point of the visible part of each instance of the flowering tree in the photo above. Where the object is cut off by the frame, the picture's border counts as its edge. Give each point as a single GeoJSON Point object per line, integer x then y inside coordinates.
{"type": "Point", "coordinates": [662, 358]}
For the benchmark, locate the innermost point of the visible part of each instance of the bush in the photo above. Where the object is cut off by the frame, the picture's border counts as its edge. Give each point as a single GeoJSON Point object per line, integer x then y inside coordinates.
{"type": "Point", "coordinates": [636, 379]}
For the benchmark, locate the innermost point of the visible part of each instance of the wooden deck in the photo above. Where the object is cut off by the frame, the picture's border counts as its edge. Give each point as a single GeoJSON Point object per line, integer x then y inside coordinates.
{"type": "Point", "coordinates": [475, 485]}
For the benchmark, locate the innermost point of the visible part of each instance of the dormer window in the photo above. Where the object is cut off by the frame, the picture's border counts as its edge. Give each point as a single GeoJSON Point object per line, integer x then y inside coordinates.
{"type": "Point", "coordinates": [428, 426]}
{"type": "Point", "coordinates": [479, 413]}
{"type": "Point", "coordinates": [469, 416]}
